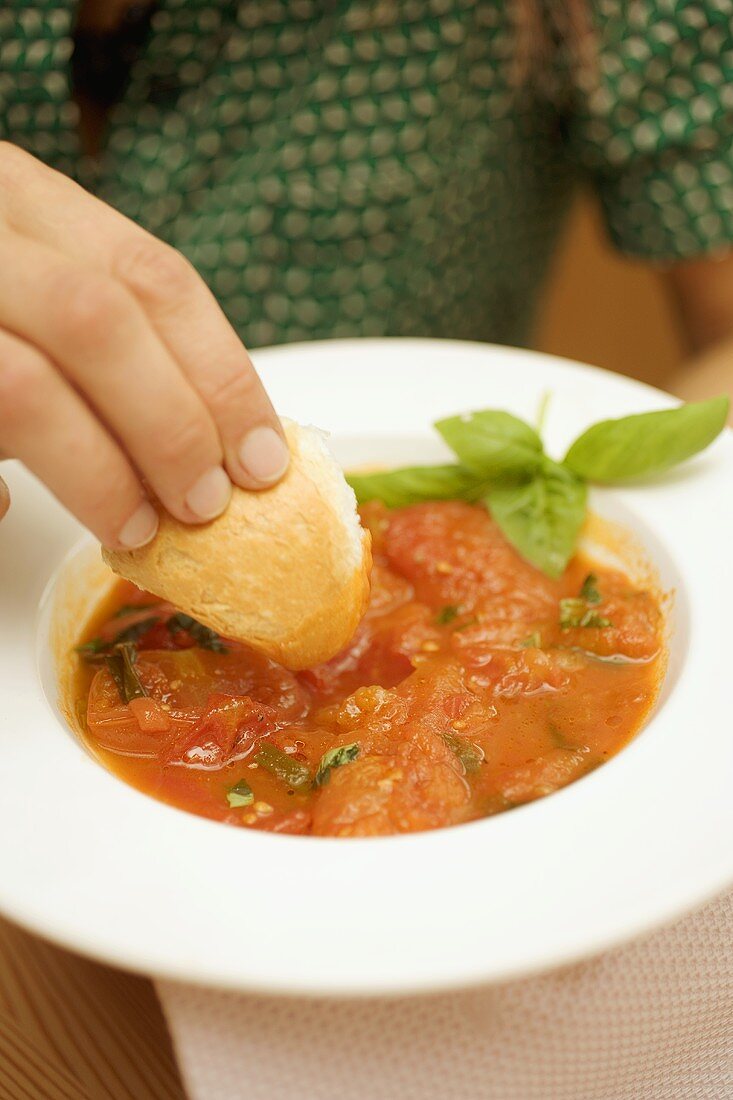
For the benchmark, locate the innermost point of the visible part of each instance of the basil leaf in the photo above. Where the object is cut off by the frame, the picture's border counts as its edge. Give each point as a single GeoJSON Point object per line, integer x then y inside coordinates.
{"type": "Point", "coordinates": [575, 612]}
{"type": "Point", "coordinates": [121, 664]}
{"type": "Point", "coordinates": [413, 484]}
{"type": "Point", "coordinates": [203, 636]}
{"type": "Point", "coordinates": [92, 648]}
{"type": "Point", "coordinates": [635, 446]}
{"type": "Point", "coordinates": [335, 758]}
{"type": "Point", "coordinates": [543, 517]}
{"type": "Point", "coordinates": [113, 661]}
{"type": "Point", "coordinates": [592, 618]}
{"type": "Point", "coordinates": [448, 613]}
{"type": "Point", "coordinates": [241, 794]}
{"type": "Point", "coordinates": [470, 755]}
{"type": "Point", "coordinates": [278, 763]}
{"type": "Point", "coordinates": [589, 590]}
{"type": "Point", "coordinates": [130, 608]}
{"type": "Point", "coordinates": [493, 444]}
{"type": "Point", "coordinates": [572, 609]}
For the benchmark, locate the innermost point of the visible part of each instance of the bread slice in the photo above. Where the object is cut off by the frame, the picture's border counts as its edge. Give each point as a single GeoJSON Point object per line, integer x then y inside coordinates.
{"type": "Point", "coordinates": [284, 570]}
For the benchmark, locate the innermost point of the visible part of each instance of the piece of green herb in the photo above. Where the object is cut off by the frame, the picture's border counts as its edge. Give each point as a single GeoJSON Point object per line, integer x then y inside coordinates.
{"type": "Point", "coordinates": [542, 518]}
{"type": "Point", "coordinates": [572, 609]}
{"type": "Point", "coordinates": [649, 443]}
{"type": "Point", "coordinates": [447, 614]}
{"type": "Point", "coordinates": [241, 794]}
{"type": "Point", "coordinates": [93, 648]}
{"type": "Point", "coordinates": [532, 641]}
{"type": "Point", "coordinates": [202, 635]}
{"type": "Point", "coordinates": [558, 737]}
{"type": "Point", "coordinates": [413, 484]}
{"type": "Point", "coordinates": [470, 755]}
{"type": "Point", "coordinates": [134, 688]}
{"type": "Point", "coordinates": [131, 608]}
{"type": "Point", "coordinates": [121, 664]}
{"type": "Point", "coordinates": [575, 612]}
{"type": "Point", "coordinates": [113, 661]}
{"type": "Point", "coordinates": [335, 758]}
{"type": "Point", "coordinates": [493, 445]}
{"type": "Point", "coordinates": [278, 763]}
{"type": "Point", "coordinates": [589, 590]}
{"type": "Point", "coordinates": [593, 619]}
{"type": "Point", "coordinates": [97, 648]}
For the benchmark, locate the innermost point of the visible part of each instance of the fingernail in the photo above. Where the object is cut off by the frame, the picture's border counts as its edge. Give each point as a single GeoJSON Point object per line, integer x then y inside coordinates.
{"type": "Point", "coordinates": [264, 455]}
{"type": "Point", "coordinates": [140, 527]}
{"type": "Point", "coordinates": [209, 496]}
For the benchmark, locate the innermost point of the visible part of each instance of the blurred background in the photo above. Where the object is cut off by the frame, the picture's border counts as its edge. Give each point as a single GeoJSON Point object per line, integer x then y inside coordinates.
{"type": "Point", "coordinates": [606, 310]}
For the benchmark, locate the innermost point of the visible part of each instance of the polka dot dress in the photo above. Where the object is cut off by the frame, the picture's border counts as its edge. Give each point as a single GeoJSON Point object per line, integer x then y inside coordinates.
{"type": "Point", "coordinates": [368, 167]}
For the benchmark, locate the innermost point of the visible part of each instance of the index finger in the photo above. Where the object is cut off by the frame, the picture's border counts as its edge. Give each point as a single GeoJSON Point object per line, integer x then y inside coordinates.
{"type": "Point", "coordinates": [51, 208]}
{"type": "Point", "coordinates": [192, 325]}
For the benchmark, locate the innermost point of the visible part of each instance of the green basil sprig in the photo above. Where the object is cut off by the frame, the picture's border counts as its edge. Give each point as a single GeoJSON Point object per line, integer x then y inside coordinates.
{"type": "Point", "coordinates": [538, 503]}
{"type": "Point", "coordinates": [335, 758]}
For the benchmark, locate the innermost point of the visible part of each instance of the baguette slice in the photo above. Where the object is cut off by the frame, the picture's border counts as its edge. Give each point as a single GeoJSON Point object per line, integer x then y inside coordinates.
{"type": "Point", "coordinates": [284, 570]}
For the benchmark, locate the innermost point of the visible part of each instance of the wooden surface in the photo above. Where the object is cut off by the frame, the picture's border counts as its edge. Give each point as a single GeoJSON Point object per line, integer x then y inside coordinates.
{"type": "Point", "coordinates": [74, 1030]}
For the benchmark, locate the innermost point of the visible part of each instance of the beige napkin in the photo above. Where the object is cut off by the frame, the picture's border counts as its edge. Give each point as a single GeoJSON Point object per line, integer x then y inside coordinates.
{"type": "Point", "coordinates": [651, 1021]}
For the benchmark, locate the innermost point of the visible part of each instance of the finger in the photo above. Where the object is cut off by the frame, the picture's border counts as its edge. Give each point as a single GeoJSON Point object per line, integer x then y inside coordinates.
{"type": "Point", "coordinates": [4, 498]}
{"type": "Point", "coordinates": [190, 322]}
{"type": "Point", "coordinates": [53, 209]}
{"type": "Point", "coordinates": [99, 336]}
{"type": "Point", "coordinates": [50, 429]}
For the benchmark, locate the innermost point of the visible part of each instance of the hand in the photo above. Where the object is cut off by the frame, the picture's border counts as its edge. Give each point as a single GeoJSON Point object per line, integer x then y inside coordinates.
{"type": "Point", "coordinates": [117, 367]}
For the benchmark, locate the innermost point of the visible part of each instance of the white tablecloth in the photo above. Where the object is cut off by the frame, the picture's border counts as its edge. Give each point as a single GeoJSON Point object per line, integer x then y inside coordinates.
{"type": "Point", "coordinates": [650, 1021]}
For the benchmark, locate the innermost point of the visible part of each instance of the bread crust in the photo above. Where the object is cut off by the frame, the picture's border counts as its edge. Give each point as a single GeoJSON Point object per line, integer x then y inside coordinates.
{"type": "Point", "coordinates": [284, 570]}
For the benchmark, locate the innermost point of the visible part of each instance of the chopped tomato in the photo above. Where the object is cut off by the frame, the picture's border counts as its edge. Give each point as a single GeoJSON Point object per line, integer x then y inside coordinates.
{"type": "Point", "coordinates": [117, 727]}
{"type": "Point", "coordinates": [388, 592]}
{"type": "Point", "coordinates": [296, 823]}
{"type": "Point", "coordinates": [473, 684]}
{"type": "Point", "coordinates": [633, 621]}
{"type": "Point", "coordinates": [379, 795]}
{"type": "Point", "coordinates": [455, 555]}
{"type": "Point", "coordinates": [554, 770]}
{"type": "Point", "coordinates": [150, 715]}
{"type": "Point", "coordinates": [229, 728]}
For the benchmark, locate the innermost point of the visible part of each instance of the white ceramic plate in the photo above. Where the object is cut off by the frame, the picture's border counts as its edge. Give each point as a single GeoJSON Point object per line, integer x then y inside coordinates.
{"type": "Point", "coordinates": [97, 866]}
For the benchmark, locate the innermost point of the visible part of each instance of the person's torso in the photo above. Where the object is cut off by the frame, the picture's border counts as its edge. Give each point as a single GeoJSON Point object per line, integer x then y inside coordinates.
{"type": "Point", "coordinates": [333, 168]}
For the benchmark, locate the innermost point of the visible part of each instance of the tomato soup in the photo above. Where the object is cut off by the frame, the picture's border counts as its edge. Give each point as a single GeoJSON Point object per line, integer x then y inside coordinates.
{"type": "Point", "coordinates": [473, 685]}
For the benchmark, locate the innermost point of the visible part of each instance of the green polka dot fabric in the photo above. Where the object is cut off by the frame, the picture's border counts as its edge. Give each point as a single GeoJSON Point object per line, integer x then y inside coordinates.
{"type": "Point", "coordinates": [655, 129]}
{"type": "Point", "coordinates": [368, 167]}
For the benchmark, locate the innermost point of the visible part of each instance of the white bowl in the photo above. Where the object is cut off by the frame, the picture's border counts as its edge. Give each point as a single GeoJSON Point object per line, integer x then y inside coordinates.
{"type": "Point", "coordinates": [96, 866]}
